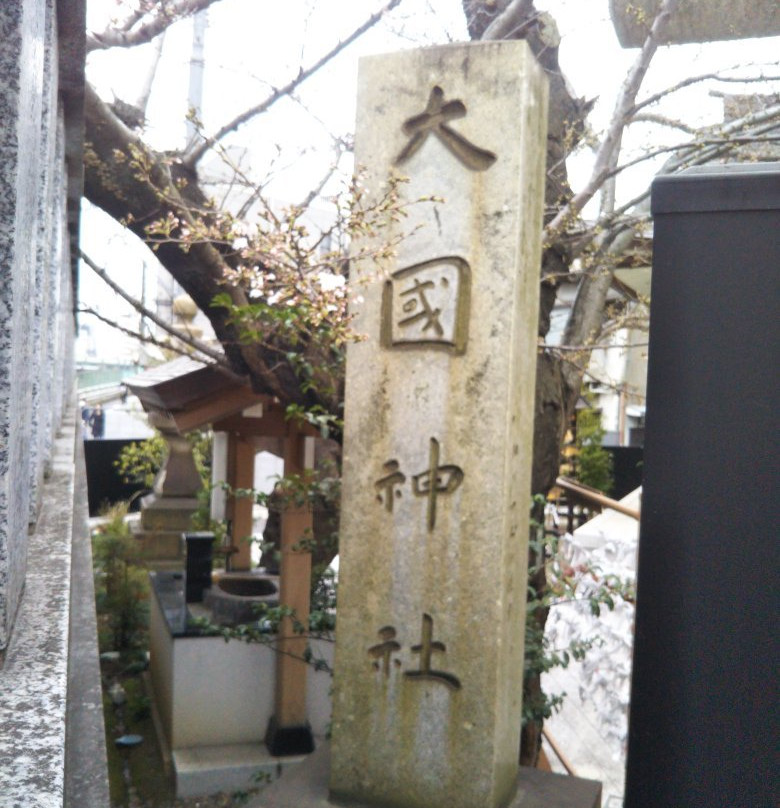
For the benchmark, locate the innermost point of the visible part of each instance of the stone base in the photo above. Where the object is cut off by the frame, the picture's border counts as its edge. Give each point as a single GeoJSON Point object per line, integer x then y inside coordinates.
{"type": "Point", "coordinates": [200, 771]}
{"type": "Point", "coordinates": [168, 513]}
{"type": "Point", "coordinates": [163, 522]}
{"type": "Point", "coordinates": [306, 786]}
{"type": "Point", "coordinates": [160, 545]}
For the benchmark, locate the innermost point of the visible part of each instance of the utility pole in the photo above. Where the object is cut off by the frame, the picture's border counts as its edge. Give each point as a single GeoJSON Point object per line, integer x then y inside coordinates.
{"type": "Point", "coordinates": [197, 64]}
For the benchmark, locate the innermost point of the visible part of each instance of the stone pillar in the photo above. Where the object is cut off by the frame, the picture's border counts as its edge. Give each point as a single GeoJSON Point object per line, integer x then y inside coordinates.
{"type": "Point", "coordinates": [289, 732]}
{"type": "Point", "coordinates": [437, 444]}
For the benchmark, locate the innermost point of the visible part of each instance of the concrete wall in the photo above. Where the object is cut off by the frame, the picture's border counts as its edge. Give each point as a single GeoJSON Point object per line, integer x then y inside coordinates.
{"type": "Point", "coordinates": [52, 741]}
{"type": "Point", "coordinates": [210, 693]}
{"type": "Point", "coordinates": [161, 670]}
{"type": "Point", "coordinates": [222, 692]}
{"type": "Point", "coordinates": [36, 323]}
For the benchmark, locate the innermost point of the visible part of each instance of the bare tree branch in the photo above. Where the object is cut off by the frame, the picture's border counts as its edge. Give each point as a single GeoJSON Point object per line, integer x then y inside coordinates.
{"type": "Point", "coordinates": [768, 120]}
{"type": "Point", "coordinates": [584, 371]}
{"type": "Point", "coordinates": [696, 151]}
{"type": "Point", "coordinates": [587, 312]}
{"type": "Point", "coordinates": [195, 154]}
{"type": "Point", "coordinates": [607, 154]}
{"type": "Point", "coordinates": [168, 346]}
{"type": "Point", "coordinates": [132, 18]}
{"type": "Point", "coordinates": [584, 324]}
{"type": "Point", "coordinates": [662, 120]}
{"type": "Point", "coordinates": [769, 117]}
{"type": "Point", "coordinates": [196, 344]}
{"type": "Point", "coordinates": [604, 346]}
{"type": "Point", "coordinates": [158, 22]}
{"type": "Point", "coordinates": [338, 149]}
{"type": "Point", "coordinates": [142, 102]}
{"type": "Point", "coordinates": [143, 338]}
{"type": "Point", "coordinates": [510, 23]}
{"type": "Point", "coordinates": [687, 82]}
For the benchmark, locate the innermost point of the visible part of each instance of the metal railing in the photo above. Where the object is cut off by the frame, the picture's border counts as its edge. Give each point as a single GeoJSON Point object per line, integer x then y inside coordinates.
{"type": "Point", "coordinates": [591, 499]}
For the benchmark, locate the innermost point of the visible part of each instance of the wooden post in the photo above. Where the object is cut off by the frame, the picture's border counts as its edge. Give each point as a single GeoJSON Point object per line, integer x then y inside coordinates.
{"type": "Point", "coordinates": [241, 474]}
{"type": "Point", "coordinates": [289, 732]}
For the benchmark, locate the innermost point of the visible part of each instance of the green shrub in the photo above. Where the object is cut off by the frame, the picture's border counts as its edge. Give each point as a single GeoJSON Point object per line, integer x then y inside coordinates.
{"type": "Point", "coordinates": [121, 584]}
{"type": "Point", "coordinates": [594, 462]}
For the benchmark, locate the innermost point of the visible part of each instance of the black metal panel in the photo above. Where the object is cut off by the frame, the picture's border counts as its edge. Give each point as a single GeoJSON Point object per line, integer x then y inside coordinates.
{"type": "Point", "coordinates": [747, 186]}
{"type": "Point", "coordinates": [198, 569]}
{"type": "Point", "coordinates": [627, 465]}
{"type": "Point", "coordinates": [703, 726]}
{"type": "Point", "coordinates": [105, 484]}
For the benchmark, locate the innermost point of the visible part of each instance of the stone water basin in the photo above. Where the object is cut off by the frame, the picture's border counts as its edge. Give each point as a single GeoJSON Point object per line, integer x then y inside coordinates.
{"type": "Point", "coordinates": [233, 596]}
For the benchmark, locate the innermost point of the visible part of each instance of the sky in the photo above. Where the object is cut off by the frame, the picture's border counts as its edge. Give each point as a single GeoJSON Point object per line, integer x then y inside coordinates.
{"type": "Point", "coordinates": [249, 50]}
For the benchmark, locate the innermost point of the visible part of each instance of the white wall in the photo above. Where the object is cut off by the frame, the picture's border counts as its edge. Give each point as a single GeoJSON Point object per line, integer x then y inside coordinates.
{"type": "Point", "coordinates": [210, 692]}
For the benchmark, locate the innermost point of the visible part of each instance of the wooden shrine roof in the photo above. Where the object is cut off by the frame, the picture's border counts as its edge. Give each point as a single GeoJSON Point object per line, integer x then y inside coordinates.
{"type": "Point", "coordinates": [190, 394]}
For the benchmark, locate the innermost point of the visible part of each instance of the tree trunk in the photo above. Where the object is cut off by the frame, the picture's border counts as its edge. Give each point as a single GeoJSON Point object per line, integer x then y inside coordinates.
{"type": "Point", "coordinates": [134, 184]}
{"type": "Point", "coordinates": [557, 386]}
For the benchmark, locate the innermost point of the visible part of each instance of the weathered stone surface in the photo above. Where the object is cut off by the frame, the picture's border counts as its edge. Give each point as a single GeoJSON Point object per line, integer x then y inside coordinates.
{"type": "Point", "coordinates": [168, 513]}
{"type": "Point", "coordinates": [47, 208]}
{"type": "Point", "coordinates": [47, 662]}
{"type": "Point", "coordinates": [161, 545]}
{"type": "Point", "coordinates": [696, 20]}
{"type": "Point", "coordinates": [36, 325]}
{"type": "Point", "coordinates": [38, 680]}
{"type": "Point", "coordinates": [179, 475]}
{"type": "Point", "coordinates": [25, 138]}
{"type": "Point", "coordinates": [437, 447]}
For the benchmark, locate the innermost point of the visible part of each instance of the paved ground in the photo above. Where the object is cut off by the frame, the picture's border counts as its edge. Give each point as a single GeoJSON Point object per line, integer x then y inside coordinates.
{"type": "Point", "coordinates": [218, 801]}
{"type": "Point", "coordinates": [125, 420]}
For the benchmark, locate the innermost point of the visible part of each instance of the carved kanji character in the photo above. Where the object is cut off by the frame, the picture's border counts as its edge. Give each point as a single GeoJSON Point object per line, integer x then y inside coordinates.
{"type": "Point", "coordinates": [436, 480]}
{"type": "Point", "coordinates": [425, 649]}
{"type": "Point", "coordinates": [418, 308]}
{"type": "Point", "coordinates": [384, 650]}
{"type": "Point", "coordinates": [387, 485]}
{"type": "Point", "coordinates": [433, 121]}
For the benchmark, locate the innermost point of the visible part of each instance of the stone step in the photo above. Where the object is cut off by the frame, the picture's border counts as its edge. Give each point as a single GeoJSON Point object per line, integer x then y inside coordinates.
{"type": "Point", "coordinates": [210, 769]}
